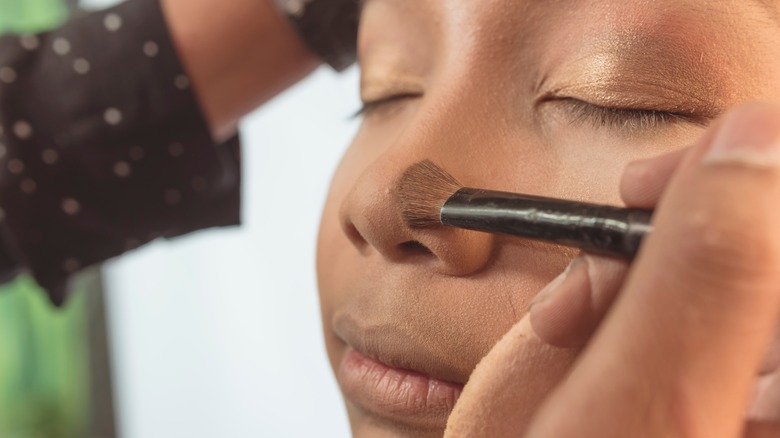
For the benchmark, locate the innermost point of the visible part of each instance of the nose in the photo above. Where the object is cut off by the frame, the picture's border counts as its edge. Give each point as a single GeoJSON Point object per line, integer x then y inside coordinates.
{"type": "Point", "coordinates": [371, 217]}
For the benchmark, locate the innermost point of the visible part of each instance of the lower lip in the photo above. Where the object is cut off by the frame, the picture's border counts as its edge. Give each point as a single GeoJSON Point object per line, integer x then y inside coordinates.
{"type": "Point", "coordinates": [397, 394]}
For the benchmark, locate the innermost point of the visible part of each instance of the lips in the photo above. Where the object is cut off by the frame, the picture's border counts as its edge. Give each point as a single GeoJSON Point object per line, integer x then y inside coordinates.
{"type": "Point", "coordinates": [398, 394]}
{"type": "Point", "coordinates": [389, 376]}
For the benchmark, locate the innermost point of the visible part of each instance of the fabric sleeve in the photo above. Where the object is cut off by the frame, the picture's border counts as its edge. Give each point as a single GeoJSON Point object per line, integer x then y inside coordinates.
{"type": "Point", "coordinates": [103, 146]}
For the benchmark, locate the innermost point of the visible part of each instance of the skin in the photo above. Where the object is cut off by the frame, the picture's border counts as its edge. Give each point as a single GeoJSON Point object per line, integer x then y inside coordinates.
{"type": "Point", "coordinates": [489, 91]}
{"type": "Point", "coordinates": [681, 347]}
{"type": "Point", "coordinates": [237, 59]}
{"type": "Point", "coordinates": [682, 343]}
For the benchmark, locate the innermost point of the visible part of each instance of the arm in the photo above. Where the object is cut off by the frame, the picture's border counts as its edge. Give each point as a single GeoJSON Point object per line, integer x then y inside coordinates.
{"type": "Point", "coordinates": [105, 144]}
{"type": "Point", "coordinates": [239, 54]}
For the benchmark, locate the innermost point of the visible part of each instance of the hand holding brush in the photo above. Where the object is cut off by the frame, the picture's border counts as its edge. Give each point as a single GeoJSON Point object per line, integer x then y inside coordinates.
{"type": "Point", "coordinates": [675, 347]}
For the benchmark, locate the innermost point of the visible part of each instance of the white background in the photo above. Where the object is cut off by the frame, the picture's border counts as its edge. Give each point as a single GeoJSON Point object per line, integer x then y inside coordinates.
{"type": "Point", "coordinates": [218, 334]}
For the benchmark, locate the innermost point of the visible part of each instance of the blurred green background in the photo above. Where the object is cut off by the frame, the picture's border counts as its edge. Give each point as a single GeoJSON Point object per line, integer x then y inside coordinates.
{"type": "Point", "coordinates": [44, 367]}
{"type": "Point", "coordinates": [31, 15]}
{"type": "Point", "coordinates": [54, 379]}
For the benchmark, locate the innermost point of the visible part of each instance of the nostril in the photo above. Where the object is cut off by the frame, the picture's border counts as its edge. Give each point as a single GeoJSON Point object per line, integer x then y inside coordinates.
{"type": "Point", "coordinates": [413, 247]}
{"type": "Point", "coordinates": [353, 234]}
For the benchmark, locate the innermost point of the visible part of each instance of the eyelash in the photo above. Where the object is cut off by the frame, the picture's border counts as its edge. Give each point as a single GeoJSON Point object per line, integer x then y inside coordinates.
{"type": "Point", "coordinates": [599, 116]}
{"type": "Point", "coordinates": [370, 107]}
{"type": "Point", "coordinates": [622, 118]}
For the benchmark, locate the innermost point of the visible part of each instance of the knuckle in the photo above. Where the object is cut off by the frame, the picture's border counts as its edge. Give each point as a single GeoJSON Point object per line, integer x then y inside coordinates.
{"type": "Point", "coordinates": [727, 223]}
{"type": "Point", "coordinates": [606, 276]}
{"type": "Point", "coordinates": [730, 245]}
{"type": "Point", "coordinates": [724, 219]}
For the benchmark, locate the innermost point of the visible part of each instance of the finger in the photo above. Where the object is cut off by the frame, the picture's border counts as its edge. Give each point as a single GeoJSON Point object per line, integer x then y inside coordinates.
{"type": "Point", "coordinates": [581, 301]}
{"type": "Point", "coordinates": [568, 310]}
{"type": "Point", "coordinates": [644, 181]}
{"type": "Point", "coordinates": [679, 350]}
{"type": "Point", "coordinates": [762, 430]}
{"type": "Point", "coordinates": [508, 385]}
{"type": "Point", "coordinates": [772, 359]}
{"type": "Point", "coordinates": [641, 186]}
{"type": "Point", "coordinates": [566, 313]}
{"type": "Point", "coordinates": [765, 403]}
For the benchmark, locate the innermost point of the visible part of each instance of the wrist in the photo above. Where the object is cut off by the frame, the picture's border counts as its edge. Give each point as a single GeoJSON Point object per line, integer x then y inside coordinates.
{"type": "Point", "coordinates": [238, 54]}
{"type": "Point", "coordinates": [328, 28]}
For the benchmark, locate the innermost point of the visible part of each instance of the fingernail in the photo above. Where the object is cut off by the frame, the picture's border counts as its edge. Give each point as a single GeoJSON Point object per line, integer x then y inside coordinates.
{"type": "Point", "coordinates": [559, 282]}
{"type": "Point", "coordinates": [749, 135]}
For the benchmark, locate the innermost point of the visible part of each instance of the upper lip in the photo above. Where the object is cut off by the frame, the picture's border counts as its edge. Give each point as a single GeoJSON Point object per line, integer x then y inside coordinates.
{"type": "Point", "coordinates": [390, 345]}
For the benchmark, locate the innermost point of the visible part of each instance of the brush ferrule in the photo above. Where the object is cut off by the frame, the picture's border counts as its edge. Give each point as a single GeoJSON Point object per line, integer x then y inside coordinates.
{"type": "Point", "coordinates": [594, 228]}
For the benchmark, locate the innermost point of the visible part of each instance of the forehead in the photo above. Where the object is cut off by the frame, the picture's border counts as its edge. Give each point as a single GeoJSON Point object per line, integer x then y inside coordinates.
{"type": "Point", "coordinates": [529, 14]}
{"type": "Point", "coordinates": [769, 7]}
{"type": "Point", "coordinates": [738, 38]}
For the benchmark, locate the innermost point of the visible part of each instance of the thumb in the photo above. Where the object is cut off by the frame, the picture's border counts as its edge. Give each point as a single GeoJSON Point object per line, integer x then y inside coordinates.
{"type": "Point", "coordinates": [678, 353]}
{"type": "Point", "coordinates": [570, 308]}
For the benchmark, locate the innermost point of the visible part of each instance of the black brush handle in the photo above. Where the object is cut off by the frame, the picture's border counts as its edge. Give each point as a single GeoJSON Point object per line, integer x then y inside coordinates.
{"type": "Point", "coordinates": [600, 229]}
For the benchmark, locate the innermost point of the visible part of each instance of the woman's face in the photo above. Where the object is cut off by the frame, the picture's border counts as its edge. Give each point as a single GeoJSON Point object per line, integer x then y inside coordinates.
{"type": "Point", "coordinates": [541, 97]}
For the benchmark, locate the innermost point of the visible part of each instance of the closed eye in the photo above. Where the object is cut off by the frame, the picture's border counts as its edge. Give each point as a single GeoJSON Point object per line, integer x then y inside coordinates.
{"type": "Point", "coordinates": [624, 118]}
{"type": "Point", "coordinates": [370, 107]}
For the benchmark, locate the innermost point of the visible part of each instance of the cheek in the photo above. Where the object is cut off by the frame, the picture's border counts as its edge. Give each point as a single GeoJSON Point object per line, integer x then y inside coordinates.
{"type": "Point", "coordinates": [331, 241]}
{"type": "Point", "coordinates": [593, 160]}
{"type": "Point", "coordinates": [524, 268]}
{"type": "Point", "coordinates": [332, 252]}
{"type": "Point", "coordinates": [333, 246]}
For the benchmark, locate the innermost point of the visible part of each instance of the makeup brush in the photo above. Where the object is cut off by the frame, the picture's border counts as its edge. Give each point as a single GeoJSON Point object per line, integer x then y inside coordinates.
{"type": "Point", "coordinates": [430, 197]}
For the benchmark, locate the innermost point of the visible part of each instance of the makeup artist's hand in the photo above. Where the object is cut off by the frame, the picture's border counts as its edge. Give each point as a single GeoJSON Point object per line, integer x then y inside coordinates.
{"type": "Point", "coordinates": [570, 315]}
{"type": "Point", "coordinates": [683, 336]}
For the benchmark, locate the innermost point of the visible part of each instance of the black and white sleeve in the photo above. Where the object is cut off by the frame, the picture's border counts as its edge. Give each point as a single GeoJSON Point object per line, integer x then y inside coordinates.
{"type": "Point", "coordinates": [103, 146]}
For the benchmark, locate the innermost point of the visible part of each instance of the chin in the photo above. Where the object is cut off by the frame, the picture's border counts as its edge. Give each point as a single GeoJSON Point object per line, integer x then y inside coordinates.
{"type": "Point", "coordinates": [366, 425]}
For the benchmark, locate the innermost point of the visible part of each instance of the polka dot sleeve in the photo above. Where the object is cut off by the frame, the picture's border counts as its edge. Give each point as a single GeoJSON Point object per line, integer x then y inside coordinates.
{"type": "Point", "coordinates": [103, 146]}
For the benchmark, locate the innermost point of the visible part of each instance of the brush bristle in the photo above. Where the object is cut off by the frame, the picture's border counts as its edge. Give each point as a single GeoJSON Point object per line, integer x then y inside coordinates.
{"type": "Point", "coordinates": [424, 188]}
